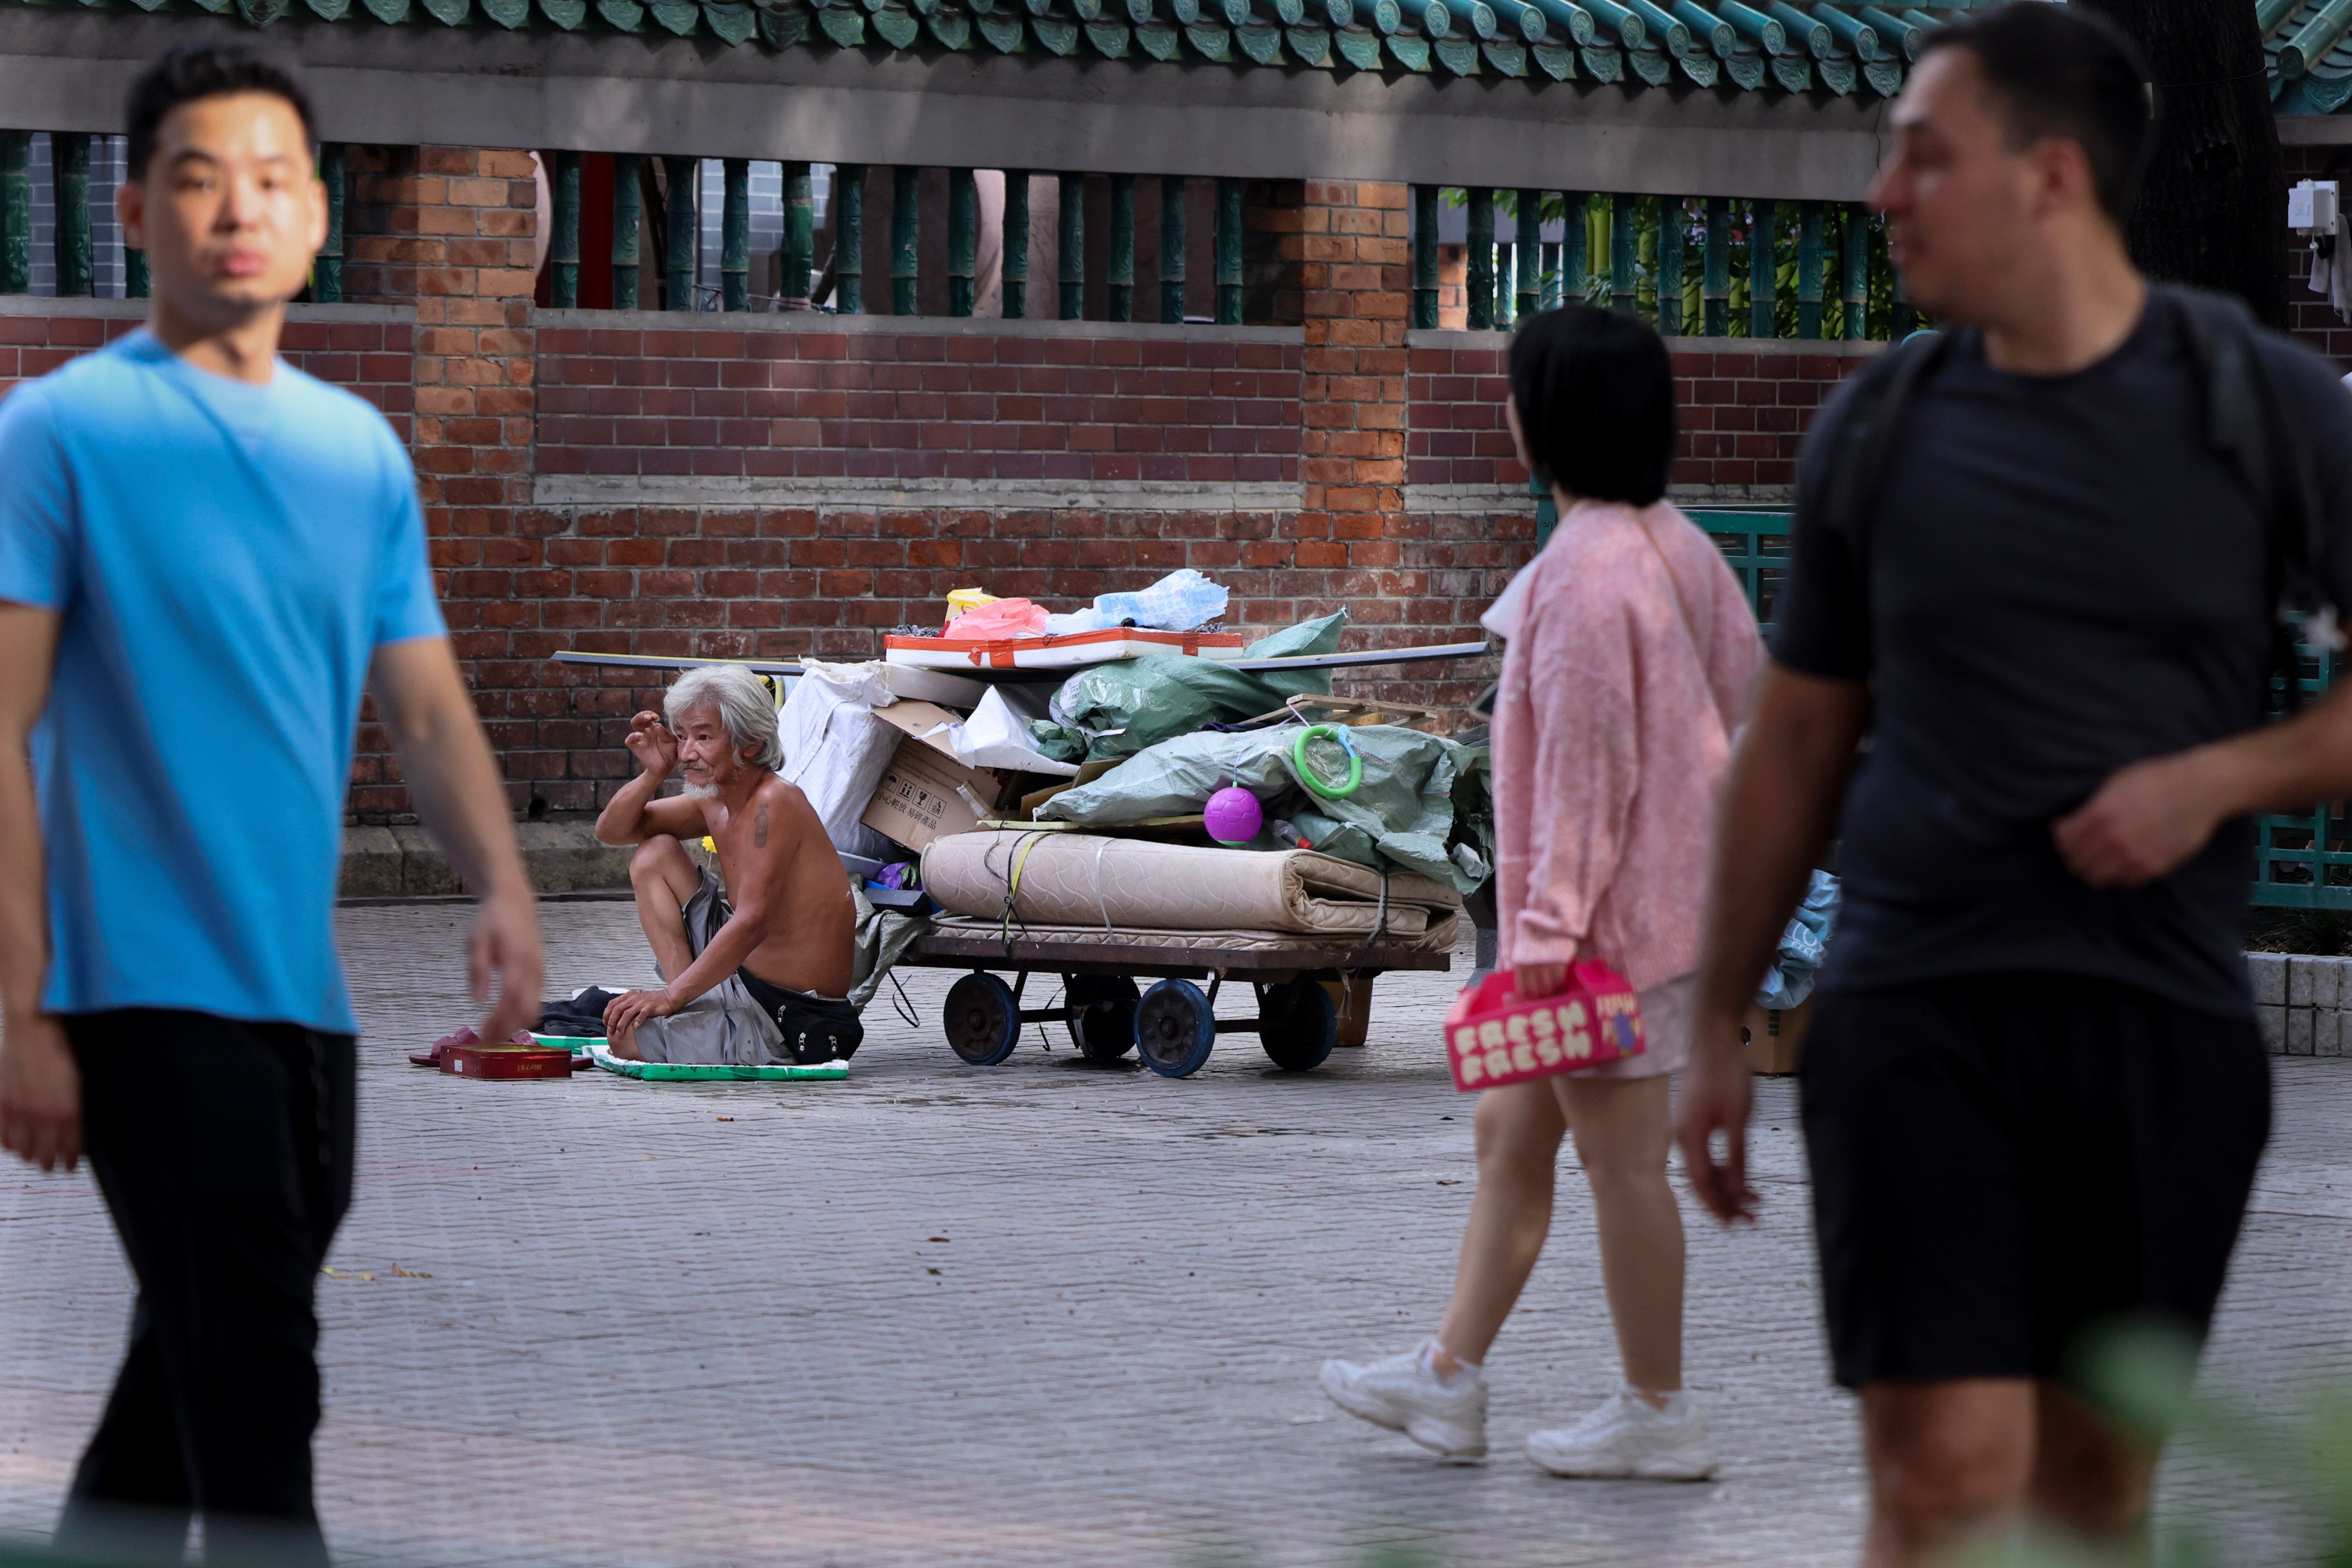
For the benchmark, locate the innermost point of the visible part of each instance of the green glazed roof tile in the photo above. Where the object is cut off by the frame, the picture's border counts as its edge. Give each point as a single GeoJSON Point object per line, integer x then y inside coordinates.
{"type": "Point", "coordinates": [1822, 46]}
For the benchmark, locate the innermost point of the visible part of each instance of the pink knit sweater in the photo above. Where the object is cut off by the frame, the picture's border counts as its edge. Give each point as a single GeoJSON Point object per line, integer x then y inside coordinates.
{"type": "Point", "coordinates": [1612, 733]}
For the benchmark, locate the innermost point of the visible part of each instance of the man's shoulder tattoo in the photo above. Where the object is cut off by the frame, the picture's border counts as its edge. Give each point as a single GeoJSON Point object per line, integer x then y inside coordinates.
{"type": "Point", "coordinates": [760, 827]}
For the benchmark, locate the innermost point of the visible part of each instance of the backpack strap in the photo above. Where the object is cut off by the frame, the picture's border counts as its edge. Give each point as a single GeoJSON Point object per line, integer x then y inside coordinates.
{"type": "Point", "coordinates": [2259, 433]}
{"type": "Point", "coordinates": [1867, 436]}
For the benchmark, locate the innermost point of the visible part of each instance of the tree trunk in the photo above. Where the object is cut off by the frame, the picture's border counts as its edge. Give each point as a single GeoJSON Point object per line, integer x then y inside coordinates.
{"type": "Point", "coordinates": [2212, 206]}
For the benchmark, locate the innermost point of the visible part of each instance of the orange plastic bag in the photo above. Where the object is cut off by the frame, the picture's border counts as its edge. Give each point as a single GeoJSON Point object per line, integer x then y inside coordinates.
{"type": "Point", "coordinates": [1493, 1037]}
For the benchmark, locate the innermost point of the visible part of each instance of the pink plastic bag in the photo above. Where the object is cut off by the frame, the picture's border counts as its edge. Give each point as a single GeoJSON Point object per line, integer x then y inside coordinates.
{"type": "Point", "coordinates": [1000, 622]}
{"type": "Point", "coordinates": [1494, 1039]}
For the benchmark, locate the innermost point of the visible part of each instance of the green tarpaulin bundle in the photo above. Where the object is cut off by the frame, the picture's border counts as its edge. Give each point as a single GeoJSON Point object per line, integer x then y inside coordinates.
{"type": "Point", "coordinates": [1422, 797]}
{"type": "Point", "coordinates": [1115, 710]}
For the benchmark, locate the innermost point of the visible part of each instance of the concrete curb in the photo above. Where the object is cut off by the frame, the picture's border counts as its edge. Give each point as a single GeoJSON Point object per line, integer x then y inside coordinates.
{"type": "Point", "coordinates": [2302, 1001]}
{"type": "Point", "coordinates": [562, 855]}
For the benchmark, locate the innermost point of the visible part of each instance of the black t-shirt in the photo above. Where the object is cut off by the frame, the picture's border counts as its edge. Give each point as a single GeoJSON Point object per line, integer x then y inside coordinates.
{"type": "Point", "coordinates": [2065, 577]}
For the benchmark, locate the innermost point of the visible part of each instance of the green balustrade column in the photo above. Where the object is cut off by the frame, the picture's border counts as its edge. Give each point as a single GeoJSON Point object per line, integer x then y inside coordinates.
{"type": "Point", "coordinates": [1424, 257]}
{"type": "Point", "coordinates": [906, 235]}
{"type": "Point", "coordinates": [1906, 314]}
{"type": "Point", "coordinates": [1528, 253]}
{"type": "Point", "coordinates": [1763, 269]}
{"type": "Point", "coordinates": [1856, 292]}
{"type": "Point", "coordinates": [1229, 258]}
{"type": "Point", "coordinates": [627, 214]}
{"type": "Point", "coordinates": [682, 233]}
{"type": "Point", "coordinates": [1013, 271]}
{"type": "Point", "coordinates": [1503, 287]}
{"type": "Point", "coordinates": [134, 273]}
{"type": "Point", "coordinates": [1481, 270]}
{"type": "Point", "coordinates": [1172, 248]}
{"type": "Point", "coordinates": [1070, 247]}
{"type": "Point", "coordinates": [16, 211]}
{"type": "Point", "coordinates": [1808, 270]}
{"type": "Point", "coordinates": [1672, 219]}
{"type": "Point", "coordinates": [1550, 273]}
{"type": "Point", "coordinates": [1624, 271]}
{"type": "Point", "coordinates": [563, 244]}
{"type": "Point", "coordinates": [797, 255]}
{"type": "Point", "coordinates": [1122, 247]}
{"type": "Point", "coordinates": [327, 270]}
{"type": "Point", "coordinates": [735, 234]}
{"type": "Point", "coordinates": [70, 180]}
{"type": "Point", "coordinates": [849, 239]}
{"type": "Point", "coordinates": [1715, 281]}
{"type": "Point", "coordinates": [963, 239]}
{"type": "Point", "coordinates": [1575, 258]}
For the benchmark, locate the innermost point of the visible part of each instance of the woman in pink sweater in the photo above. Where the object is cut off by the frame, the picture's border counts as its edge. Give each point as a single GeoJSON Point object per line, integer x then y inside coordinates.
{"type": "Point", "coordinates": [1630, 648]}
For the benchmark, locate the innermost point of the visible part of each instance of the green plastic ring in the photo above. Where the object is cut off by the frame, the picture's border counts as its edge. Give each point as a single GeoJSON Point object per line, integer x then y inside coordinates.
{"type": "Point", "coordinates": [1307, 774]}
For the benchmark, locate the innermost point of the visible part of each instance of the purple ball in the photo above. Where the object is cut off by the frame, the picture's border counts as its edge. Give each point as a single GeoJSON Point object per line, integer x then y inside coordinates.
{"type": "Point", "coordinates": [1234, 815]}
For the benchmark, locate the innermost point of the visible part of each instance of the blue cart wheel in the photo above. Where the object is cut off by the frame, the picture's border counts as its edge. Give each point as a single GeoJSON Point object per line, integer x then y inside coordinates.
{"type": "Point", "coordinates": [1297, 1025]}
{"type": "Point", "coordinates": [1174, 1029]}
{"type": "Point", "coordinates": [983, 1022]}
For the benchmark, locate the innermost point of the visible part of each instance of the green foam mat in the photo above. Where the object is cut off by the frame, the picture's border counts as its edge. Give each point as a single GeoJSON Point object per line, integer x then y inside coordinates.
{"type": "Point", "coordinates": [699, 1072]}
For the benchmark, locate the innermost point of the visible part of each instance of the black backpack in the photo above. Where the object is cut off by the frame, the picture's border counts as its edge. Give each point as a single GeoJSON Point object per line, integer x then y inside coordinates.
{"type": "Point", "coordinates": [2248, 420]}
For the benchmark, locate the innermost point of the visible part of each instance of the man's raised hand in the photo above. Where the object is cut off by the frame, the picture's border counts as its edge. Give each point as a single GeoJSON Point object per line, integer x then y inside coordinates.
{"type": "Point", "coordinates": [651, 741]}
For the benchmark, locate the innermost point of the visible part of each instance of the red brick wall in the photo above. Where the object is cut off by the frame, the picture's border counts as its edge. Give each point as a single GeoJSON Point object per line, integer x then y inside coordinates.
{"type": "Point", "coordinates": [369, 350]}
{"type": "Point", "coordinates": [1742, 408]}
{"type": "Point", "coordinates": [1356, 524]}
{"type": "Point", "coordinates": [816, 397]}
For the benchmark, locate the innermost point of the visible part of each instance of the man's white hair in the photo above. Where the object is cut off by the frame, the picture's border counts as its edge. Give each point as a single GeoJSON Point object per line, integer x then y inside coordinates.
{"type": "Point", "coordinates": [745, 709]}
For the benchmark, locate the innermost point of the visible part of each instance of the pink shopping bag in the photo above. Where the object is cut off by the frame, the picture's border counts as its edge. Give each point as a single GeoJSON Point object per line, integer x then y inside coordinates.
{"type": "Point", "coordinates": [1493, 1037]}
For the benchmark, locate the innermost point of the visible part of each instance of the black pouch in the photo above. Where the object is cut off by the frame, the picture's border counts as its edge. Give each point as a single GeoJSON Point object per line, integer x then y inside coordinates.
{"type": "Point", "coordinates": [817, 1030]}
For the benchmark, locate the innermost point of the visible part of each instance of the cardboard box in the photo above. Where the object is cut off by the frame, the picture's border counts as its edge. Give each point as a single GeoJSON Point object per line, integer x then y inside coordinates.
{"type": "Point", "coordinates": [920, 718]}
{"type": "Point", "coordinates": [922, 797]}
{"type": "Point", "coordinates": [1776, 1039]}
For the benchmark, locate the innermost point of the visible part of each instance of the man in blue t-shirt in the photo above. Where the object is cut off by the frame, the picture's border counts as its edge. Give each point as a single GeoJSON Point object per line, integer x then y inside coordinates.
{"type": "Point", "coordinates": [206, 556]}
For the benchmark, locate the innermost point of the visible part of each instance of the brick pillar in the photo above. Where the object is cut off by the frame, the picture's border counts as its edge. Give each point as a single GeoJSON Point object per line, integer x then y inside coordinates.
{"type": "Point", "coordinates": [1354, 243]}
{"type": "Point", "coordinates": [452, 231]}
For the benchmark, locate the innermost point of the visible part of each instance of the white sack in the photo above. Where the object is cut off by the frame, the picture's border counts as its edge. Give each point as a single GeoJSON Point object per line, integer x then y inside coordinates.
{"type": "Point", "coordinates": [997, 735]}
{"type": "Point", "coordinates": [837, 751]}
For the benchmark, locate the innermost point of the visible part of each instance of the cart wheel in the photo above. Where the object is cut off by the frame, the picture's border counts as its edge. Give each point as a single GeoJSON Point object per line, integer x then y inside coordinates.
{"type": "Point", "coordinates": [983, 1023]}
{"type": "Point", "coordinates": [1297, 1025]}
{"type": "Point", "coordinates": [1107, 1031]}
{"type": "Point", "coordinates": [1174, 1029]}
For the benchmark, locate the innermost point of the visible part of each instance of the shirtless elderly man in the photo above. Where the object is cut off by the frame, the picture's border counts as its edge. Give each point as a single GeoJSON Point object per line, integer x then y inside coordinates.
{"type": "Point", "coordinates": [761, 981]}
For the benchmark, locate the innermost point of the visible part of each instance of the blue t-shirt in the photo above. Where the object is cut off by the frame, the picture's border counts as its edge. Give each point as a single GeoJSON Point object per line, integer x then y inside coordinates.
{"type": "Point", "coordinates": [226, 559]}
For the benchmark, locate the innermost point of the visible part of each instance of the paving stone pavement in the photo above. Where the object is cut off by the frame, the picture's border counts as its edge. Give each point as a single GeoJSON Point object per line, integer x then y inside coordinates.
{"type": "Point", "coordinates": [1042, 1313]}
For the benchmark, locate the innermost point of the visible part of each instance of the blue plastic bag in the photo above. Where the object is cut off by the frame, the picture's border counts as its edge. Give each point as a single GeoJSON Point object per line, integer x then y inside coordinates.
{"type": "Point", "coordinates": [1176, 603]}
{"type": "Point", "coordinates": [1803, 947]}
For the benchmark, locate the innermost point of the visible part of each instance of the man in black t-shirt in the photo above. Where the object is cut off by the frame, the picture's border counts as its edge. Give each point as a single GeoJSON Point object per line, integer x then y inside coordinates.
{"type": "Point", "coordinates": [2033, 1094]}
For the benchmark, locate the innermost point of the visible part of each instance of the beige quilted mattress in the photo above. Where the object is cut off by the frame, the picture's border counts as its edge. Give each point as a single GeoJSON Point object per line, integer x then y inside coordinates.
{"type": "Point", "coordinates": [1088, 880]}
{"type": "Point", "coordinates": [1439, 937]}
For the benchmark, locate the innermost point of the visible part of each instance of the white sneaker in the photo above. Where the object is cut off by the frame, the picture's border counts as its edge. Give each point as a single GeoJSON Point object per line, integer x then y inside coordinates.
{"type": "Point", "coordinates": [1630, 1437]}
{"type": "Point", "coordinates": [1447, 1416]}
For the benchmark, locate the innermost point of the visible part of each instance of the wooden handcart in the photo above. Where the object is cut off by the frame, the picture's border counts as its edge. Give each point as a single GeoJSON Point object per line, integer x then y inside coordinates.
{"type": "Point", "coordinates": [1172, 1026]}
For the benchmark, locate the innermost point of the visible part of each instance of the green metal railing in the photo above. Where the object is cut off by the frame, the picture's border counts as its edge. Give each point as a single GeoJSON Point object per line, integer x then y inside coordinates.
{"type": "Point", "coordinates": [963, 219]}
{"type": "Point", "coordinates": [1710, 267]}
{"type": "Point", "coordinates": [2302, 860]}
{"type": "Point", "coordinates": [73, 243]}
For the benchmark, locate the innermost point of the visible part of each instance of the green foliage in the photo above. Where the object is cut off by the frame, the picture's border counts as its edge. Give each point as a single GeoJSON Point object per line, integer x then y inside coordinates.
{"type": "Point", "coordinates": [2144, 1378]}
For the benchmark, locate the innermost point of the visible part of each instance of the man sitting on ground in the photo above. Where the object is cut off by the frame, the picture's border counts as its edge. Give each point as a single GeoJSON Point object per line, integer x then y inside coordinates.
{"type": "Point", "coordinates": [764, 981]}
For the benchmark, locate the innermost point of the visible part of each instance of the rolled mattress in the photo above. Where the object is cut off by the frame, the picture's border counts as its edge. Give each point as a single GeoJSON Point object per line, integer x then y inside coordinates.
{"type": "Point", "coordinates": [1088, 880]}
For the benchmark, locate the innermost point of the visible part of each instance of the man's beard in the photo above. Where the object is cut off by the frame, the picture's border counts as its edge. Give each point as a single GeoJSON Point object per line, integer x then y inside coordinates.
{"type": "Point", "coordinates": [699, 790]}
